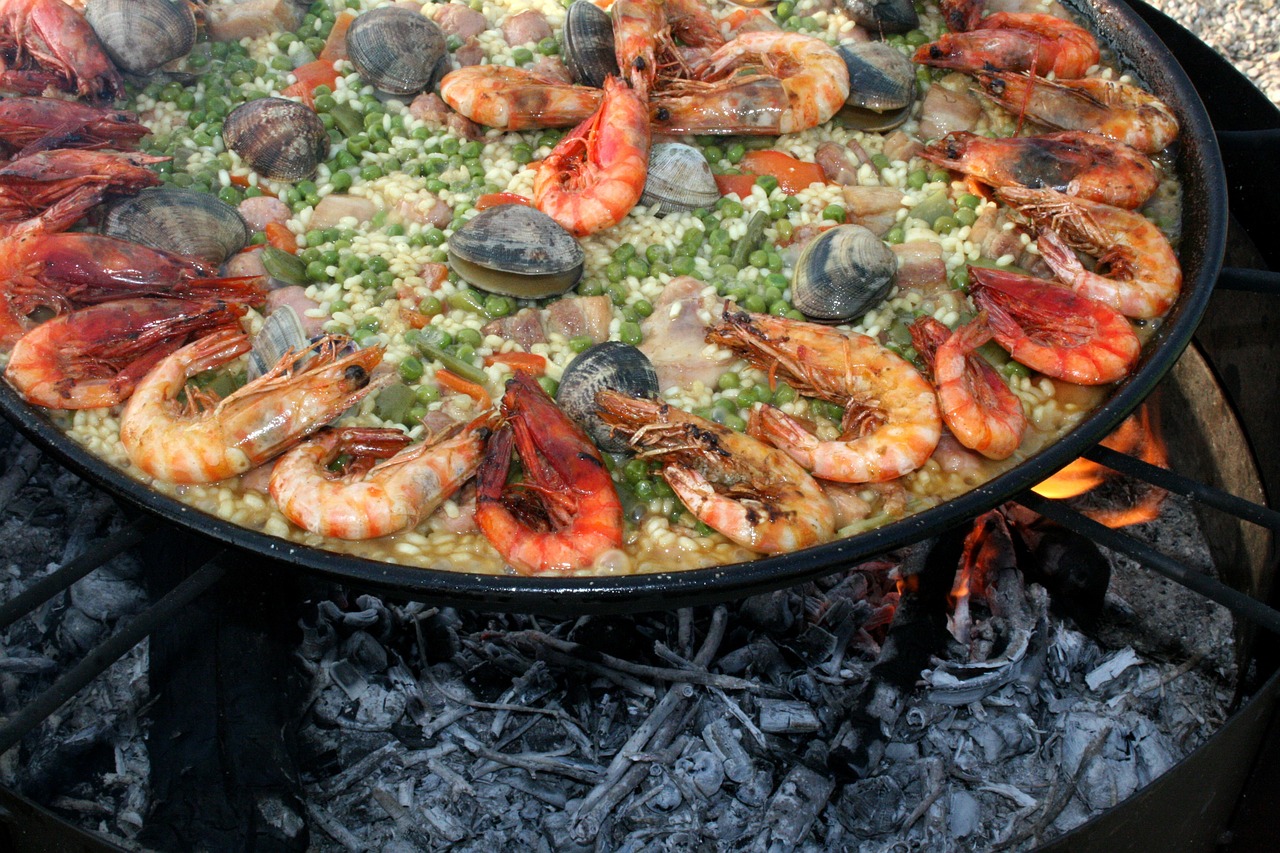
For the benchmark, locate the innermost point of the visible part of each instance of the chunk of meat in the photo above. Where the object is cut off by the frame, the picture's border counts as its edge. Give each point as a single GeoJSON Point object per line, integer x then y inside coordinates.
{"type": "Point", "coordinates": [523, 327]}
{"type": "Point", "coordinates": [874, 208]}
{"type": "Point", "coordinates": [435, 113]}
{"type": "Point", "coordinates": [260, 211]}
{"type": "Point", "coordinates": [425, 210]}
{"type": "Point", "coordinates": [944, 111]}
{"type": "Point", "coordinates": [335, 207]}
{"type": "Point", "coordinates": [471, 53]}
{"type": "Point", "coordinates": [525, 27]}
{"type": "Point", "coordinates": [920, 266]}
{"type": "Point", "coordinates": [232, 20]}
{"type": "Point", "coordinates": [552, 67]}
{"type": "Point", "coordinates": [457, 19]}
{"type": "Point", "coordinates": [838, 163]}
{"type": "Point", "coordinates": [846, 501]}
{"type": "Point", "coordinates": [244, 263]}
{"type": "Point", "coordinates": [675, 336]}
{"type": "Point", "coordinates": [587, 315]}
{"type": "Point", "coordinates": [899, 146]}
{"type": "Point", "coordinates": [295, 296]}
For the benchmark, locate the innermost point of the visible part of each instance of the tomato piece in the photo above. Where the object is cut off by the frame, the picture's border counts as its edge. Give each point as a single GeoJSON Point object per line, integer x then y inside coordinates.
{"type": "Point", "coordinates": [335, 47]}
{"type": "Point", "coordinates": [793, 175]}
{"type": "Point", "coordinates": [740, 184]}
{"type": "Point", "coordinates": [456, 383]}
{"type": "Point", "coordinates": [523, 362]}
{"type": "Point", "coordinates": [309, 76]}
{"type": "Point", "coordinates": [281, 237]}
{"type": "Point", "coordinates": [489, 200]}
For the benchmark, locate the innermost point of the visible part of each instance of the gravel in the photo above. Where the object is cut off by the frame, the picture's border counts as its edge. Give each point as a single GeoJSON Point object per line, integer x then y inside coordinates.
{"type": "Point", "coordinates": [1247, 32]}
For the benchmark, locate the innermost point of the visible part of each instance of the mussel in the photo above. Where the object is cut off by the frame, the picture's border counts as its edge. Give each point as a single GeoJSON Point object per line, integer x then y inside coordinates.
{"type": "Point", "coordinates": [281, 140]}
{"type": "Point", "coordinates": [515, 250]}
{"type": "Point", "coordinates": [178, 220]}
{"type": "Point", "coordinates": [613, 365]}
{"type": "Point", "coordinates": [883, 16]}
{"type": "Point", "coordinates": [142, 35]}
{"type": "Point", "coordinates": [679, 179]}
{"type": "Point", "coordinates": [397, 50]}
{"type": "Point", "coordinates": [842, 273]}
{"type": "Point", "coordinates": [882, 86]}
{"type": "Point", "coordinates": [588, 44]}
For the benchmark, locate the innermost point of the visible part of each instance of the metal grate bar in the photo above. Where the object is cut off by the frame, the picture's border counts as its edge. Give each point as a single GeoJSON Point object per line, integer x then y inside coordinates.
{"type": "Point", "coordinates": [74, 569]}
{"type": "Point", "coordinates": [108, 652]}
{"type": "Point", "coordinates": [1180, 485]}
{"type": "Point", "coordinates": [1215, 590]}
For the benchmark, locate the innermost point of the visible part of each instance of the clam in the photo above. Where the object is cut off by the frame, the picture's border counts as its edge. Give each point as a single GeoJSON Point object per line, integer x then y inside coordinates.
{"type": "Point", "coordinates": [281, 332]}
{"type": "Point", "coordinates": [883, 16]}
{"type": "Point", "coordinates": [679, 179]}
{"type": "Point", "coordinates": [397, 50]}
{"type": "Point", "coordinates": [882, 86]}
{"type": "Point", "coordinates": [142, 35]}
{"type": "Point", "coordinates": [588, 44]}
{"type": "Point", "coordinates": [842, 273]}
{"type": "Point", "coordinates": [178, 220]}
{"type": "Point", "coordinates": [281, 140]}
{"type": "Point", "coordinates": [614, 365]}
{"type": "Point", "coordinates": [515, 250]}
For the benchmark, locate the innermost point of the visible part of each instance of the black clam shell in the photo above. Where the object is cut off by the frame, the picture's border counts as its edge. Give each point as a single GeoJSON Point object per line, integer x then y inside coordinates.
{"type": "Point", "coordinates": [396, 50]}
{"type": "Point", "coordinates": [142, 35]}
{"type": "Point", "coordinates": [613, 365]}
{"type": "Point", "coordinates": [516, 250]}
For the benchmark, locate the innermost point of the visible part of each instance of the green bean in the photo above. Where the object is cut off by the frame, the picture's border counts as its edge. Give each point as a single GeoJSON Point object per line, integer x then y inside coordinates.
{"type": "Point", "coordinates": [755, 231]}
{"type": "Point", "coordinates": [453, 364]}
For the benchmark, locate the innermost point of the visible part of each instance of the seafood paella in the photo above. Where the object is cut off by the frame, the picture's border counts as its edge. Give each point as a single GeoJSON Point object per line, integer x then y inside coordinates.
{"type": "Point", "coordinates": [563, 287]}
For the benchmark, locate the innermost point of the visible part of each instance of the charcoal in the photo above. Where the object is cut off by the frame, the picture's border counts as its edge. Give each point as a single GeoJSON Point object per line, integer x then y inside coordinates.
{"type": "Point", "coordinates": [365, 652]}
{"type": "Point", "coordinates": [772, 612]}
{"type": "Point", "coordinates": [1075, 573]}
{"type": "Point", "coordinates": [800, 798]}
{"type": "Point", "coordinates": [756, 790]}
{"type": "Point", "coordinates": [871, 807]}
{"type": "Point", "coordinates": [705, 770]}
{"type": "Point", "coordinates": [785, 716]}
{"type": "Point", "coordinates": [735, 761]}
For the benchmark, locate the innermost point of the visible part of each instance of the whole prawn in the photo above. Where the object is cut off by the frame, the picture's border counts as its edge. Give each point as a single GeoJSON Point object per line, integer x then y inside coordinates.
{"type": "Point", "coordinates": [1050, 328]}
{"type": "Point", "coordinates": [61, 185]}
{"type": "Point", "coordinates": [210, 440]}
{"type": "Point", "coordinates": [47, 43]}
{"type": "Point", "coordinates": [1014, 41]}
{"type": "Point", "coordinates": [28, 125]}
{"type": "Point", "coordinates": [638, 28]}
{"type": "Point", "coordinates": [96, 356]}
{"type": "Point", "coordinates": [759, 82]}
{"type": "Point", "coordinates": [1071, 161]}
{"type": "Point", "coordinates": [1120, 111]}
{"type": "Point", "coordinates": [517, 98]}
{"type": "Point", "coordinates": [891, 421]}
{"type": "Point", "coordinates": [1137, 272]}
{"type": "Point", "coordinates": [596, 174]}
{"type": "Point", "coordinates": [368, 501]}
{"type": "Point", "coordinates": [566, 513]}
{"type": "Point", "coordinates": [977, 406]}
{"type": "Point", "coordinates": [751, 492]}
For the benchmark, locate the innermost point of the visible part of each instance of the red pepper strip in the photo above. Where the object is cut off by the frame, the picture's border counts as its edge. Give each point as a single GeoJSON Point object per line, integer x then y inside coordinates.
{"type": "Point", "coordinates": [524, 362]}
{"type": "Point", "coordinates": [457, 384]}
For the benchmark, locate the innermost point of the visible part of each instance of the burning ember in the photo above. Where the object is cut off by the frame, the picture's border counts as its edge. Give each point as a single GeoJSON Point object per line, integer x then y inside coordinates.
{"type": "Point", "coordinates": [1138, 435]}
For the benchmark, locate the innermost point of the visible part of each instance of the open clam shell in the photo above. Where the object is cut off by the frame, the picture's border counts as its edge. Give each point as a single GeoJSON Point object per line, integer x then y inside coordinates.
{"type": "Point", "coordinates": [679, 179]}
{"type": "Point", "coordinates": [588, 44]}
{"type": "Point", "coordinates": [614, 365]}
{"type": "Point", "coordinates": [882, 86]}
{"type": "Point", "coordinates": [842, 273]}
{"type": "Point", "coordinates": [178, 220]}
{"type": "Point", "coordinates": [883, 16]}
{"type": "Point", "coordinates": [142, 35]}
{"type": "Point", "coordinates": [280, 139]}
{"type": "Point", "coordinates": [397, 50]}
{"type": "Point", "coordinates": [516, 250]}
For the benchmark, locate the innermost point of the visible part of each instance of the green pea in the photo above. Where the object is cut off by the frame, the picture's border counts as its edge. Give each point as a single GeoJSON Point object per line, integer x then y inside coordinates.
{"type": "Point", "coordinates": [729, 208]}
{"type": "Point", "coordinates": [449, 146]}
{"type": "Point", "coordinates": [966, 216]}
{"type": "Point", "coordinates": [371, 172]}
{"type": "Point", "coordinates": [464, 352]}
{"type": "Point", "coordinates": [768, 183]}
{"type": "Point", "coordinates": [498, 306]}
{"type": "Point", "coordinates": [785, 10]}
{"type": "Point", "coordinates": [630, 333]}
{"type": "Point", "coordinates": [427, 394]}
{"type": "Point", "coordinates": [713, 153]}
{"type": "Point", "coordinates": [735, 423]}
{"type": "Point", "coordinates": [881, 161]}
{"type": "Point", "coordinates": [945, 224]}
{"type": "Point", "coordinates": [834, 212]}
{"type": "Point", "coordinates": [635, 471]}
{"type": "Point", "coordinates": [959, 278]}
{"type": "Point", "coordinates": [754, 304]}
{"type": "Point", "coordinates": [522, 153]}
{"type": "Point", "coordinates": [618, 293]}
{"type": "Point", "coordinates": [339, 305]}
{"type": "Point", "coordinates": [638, 268]}
{"type": "Point", "coordinates": [471, 337]}
{"type": "Point", "coordinates": [472, 150]}
{"type": "Point", "coordinates": [783, 394]}
{"type": "Point", "coordinates": [894, 235]}
{"type": "Point", "coordinates": [549, 385]}
{"type": "Point", "coordinates": [643, 490]}
{"type": "Point", "coordinates": [728, 381]}
{"type": "Point", "coordinates": [522, 56]}
{"type": "Point", "coordinates": [735, 152]}
{"type": "Point", "coordinates": [624, 252]}
{"type": "Point", "coordinates": [784, 229]}
{"type": "Point", "coordinates": [615, 271]}
{"type": "Point", "coordinates": [969, 200]}
{"type": "Point", "coordinates": [643, 307]}
{"type": "Point", "coordinates": [1012, 368]}
{"type": "Point", "coordinates": [411, 369]}
{"type": "Point", "coordinates": [316, 271]}
{"type": "Point", "coordinates": [938, 176]}
{"type": "Point", "coordinates": [580, 343]}
{"type": "Point", "coordinates": [682, 265]}
{"type": "Point", "coordinates": [364, 336]}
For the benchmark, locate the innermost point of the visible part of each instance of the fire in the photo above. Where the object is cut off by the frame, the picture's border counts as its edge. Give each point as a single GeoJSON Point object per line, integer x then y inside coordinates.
{"type": "Point", "coordinates": [1138, 435]}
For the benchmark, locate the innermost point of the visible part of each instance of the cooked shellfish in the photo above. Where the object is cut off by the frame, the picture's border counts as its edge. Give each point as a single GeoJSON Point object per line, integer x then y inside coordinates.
{"type": "Point", "coordinates": [397, 50]}
{"type": "Point", "coordinates": [588, 44]}
{"type": "Point", "coordinates": [142, 35]}
{"type": "Point", "coordinates": [515, 250]}
{"type": "Point", "coordinates": [842, 273]}
{"type": "Point", "coordinates": [178, 220]}
{"type": "Point", "coordinates": [614, 365]}
{"type": "Point", "coordinates": [882, 86]}
{"type": "Point", "coordinates": [281, 140]}
{"type": "Point", "coordinates": [679, 179]}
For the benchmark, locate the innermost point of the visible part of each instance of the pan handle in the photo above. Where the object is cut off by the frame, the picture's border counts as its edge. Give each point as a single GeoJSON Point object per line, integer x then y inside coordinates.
{"type": "Point", "coordinates": [1253, 281]}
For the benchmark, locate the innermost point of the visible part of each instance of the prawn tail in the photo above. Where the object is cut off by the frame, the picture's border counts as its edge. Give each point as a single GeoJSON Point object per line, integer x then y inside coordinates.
{"type": "Point", "coordinates": [246, 289]}
{"type": "Point", "coordinates": [775, 427]}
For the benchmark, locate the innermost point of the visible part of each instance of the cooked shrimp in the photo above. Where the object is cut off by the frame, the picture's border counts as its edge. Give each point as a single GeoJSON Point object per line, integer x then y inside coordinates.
{"type": "Point", "coordinates": [1070, 161]}
{"type": "Point", "coordinates": [365, 502]}
{"type": "Point", "coordinates": [638, 28]}
{"type": "Point", "coordinates": [960, 15]}
{"type": "Point", "coordinates": [1052, 329]}
{"type": "Point", "coordinates": [692, 23]}
{"type": "Point", "coordinates": [1137, 272]}
{"type": "Point", "coordinates": [798, 82]}
{"type": "Point", "coordinates": [36, 124]}
{"type": "Point", "coordinates": [596, 174]}
{"type": "Point", "coordinates": [565, 514]}
{"type": "Point", "coordinates": [754, 494]}
{"type": "Point", "coordinates": [517, 98]}
{"type": "Point", "coordinates": [58, 271]}
{"type": "Point", "coordinates": [42, 180]}
{"type": "Point", "coordinates": [1116, 110]}
{"type": "Point", "coordinates": [209, 440]}
{"type": "Point", "coordinates": [94, 357]}
{"type": "Point", "coordinates": [46, 42]}
{"type": "Point", "coordinates": [977, 406]}
{"type": "Point", "coordinates": [891, 422]}
{"type": "Point", "coordinates": [1015, 41]}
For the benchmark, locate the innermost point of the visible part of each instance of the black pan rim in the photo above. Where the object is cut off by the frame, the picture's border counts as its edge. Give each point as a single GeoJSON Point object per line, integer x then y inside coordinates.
{"type": "Point", "coordinates": [663, 590]}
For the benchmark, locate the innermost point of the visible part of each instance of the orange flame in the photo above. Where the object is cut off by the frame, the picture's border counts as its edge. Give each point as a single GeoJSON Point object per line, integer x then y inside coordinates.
{"type": "Point", "coordinates": [1138, 435]}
